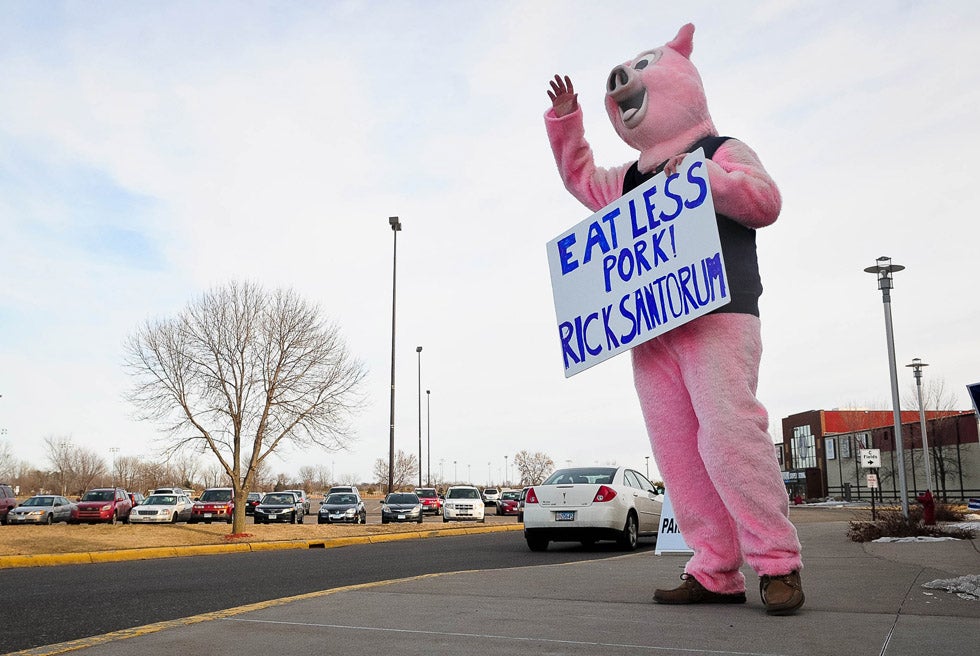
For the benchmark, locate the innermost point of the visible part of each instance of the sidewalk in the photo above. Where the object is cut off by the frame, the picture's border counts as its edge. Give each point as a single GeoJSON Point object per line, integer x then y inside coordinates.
{"type": "Point", "coordinates": [862, 599]}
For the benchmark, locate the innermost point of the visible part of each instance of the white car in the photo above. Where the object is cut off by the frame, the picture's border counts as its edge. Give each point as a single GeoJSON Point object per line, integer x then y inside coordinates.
{"type": "Point", "coordinates": [491, 495]}
{"type": "Point", "coordinates": [587, 504]}
{"type": "Point", "coordinates": [162, 509]}
{"type": "Point", "coordinates": [463, 502]}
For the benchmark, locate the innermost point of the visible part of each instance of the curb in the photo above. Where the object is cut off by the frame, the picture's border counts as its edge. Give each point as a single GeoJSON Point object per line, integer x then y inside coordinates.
{"type": "Point", "coordinates": [147, 553]}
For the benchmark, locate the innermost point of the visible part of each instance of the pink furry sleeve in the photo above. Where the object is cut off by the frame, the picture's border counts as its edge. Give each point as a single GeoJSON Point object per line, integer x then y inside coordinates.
{"type": "Point", "coordinates": [740, 186]}
{"type": "Point", "coordinates": [594, 187]}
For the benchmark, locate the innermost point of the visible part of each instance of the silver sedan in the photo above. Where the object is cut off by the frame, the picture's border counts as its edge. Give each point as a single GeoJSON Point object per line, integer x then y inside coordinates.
{"type": "Point", "coordinates": [41, 509]}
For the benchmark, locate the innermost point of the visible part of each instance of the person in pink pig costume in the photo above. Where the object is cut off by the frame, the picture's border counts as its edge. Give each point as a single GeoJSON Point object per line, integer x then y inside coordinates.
{"type": "Point", "coordinates": [697, 383]}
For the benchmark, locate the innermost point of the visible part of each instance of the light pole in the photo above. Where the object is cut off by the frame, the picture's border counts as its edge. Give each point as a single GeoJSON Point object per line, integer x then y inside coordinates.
{"type": "Point", "coordinates": [489, 475]}
{"type": "Point", "coordinates": [455, 473]}
{"type": "Point", "coordinates": [396, 227]}
{"type": "Point", "coordinates": [506, 476]}
{"type": "Point", "coordinates": [648, 466]}
{"type": "Point", "coordinates": [428, 439]}
{"type": "Point", "coordinates": [418, 349]}
{"type": "Point", "coordinates": [884, 269]}
{"type": "Point", "coordinates": [917, 365]}
{"type": "Point", "coordinates": [113, 450]}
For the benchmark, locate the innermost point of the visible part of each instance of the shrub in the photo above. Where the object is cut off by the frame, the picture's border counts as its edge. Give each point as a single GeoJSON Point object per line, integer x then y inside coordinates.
{"type": "Point", "coordinates": [892, 524]}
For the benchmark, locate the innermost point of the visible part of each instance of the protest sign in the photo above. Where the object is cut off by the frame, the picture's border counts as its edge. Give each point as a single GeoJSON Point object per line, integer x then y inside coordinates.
{"type": "Point", "coordinates": [644, 264]}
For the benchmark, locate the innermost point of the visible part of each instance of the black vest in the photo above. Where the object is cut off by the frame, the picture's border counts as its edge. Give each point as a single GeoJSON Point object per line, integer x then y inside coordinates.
{"type": "Point", "coordinates": [737, 241]}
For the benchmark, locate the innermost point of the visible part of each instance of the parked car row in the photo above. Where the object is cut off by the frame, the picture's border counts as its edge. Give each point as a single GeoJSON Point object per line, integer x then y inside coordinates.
{"type": "Point", "coordinates": [342, 504]}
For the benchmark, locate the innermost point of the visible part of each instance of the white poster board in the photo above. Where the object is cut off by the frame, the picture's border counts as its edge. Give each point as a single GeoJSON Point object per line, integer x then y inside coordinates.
{"type": "Point", "coordinates": [644, 264]}
{"type": "Point", "coordinates": [669, 538]}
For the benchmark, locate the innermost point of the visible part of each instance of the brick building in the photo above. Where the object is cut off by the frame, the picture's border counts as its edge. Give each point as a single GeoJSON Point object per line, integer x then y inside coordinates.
{"type": "Point", "coordinates": [819, 453]}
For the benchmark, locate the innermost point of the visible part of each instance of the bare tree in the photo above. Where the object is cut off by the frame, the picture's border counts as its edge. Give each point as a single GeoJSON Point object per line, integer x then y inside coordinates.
{"type": "Point", "coordinates": [935, 397]}
{"type": "Point", "coordinates": [239, 373]}
{"type": "Point", "coordinates": [406, 470]}
{"type": "Point", "coordinates": [75, 468]}
{"type": "Point", "coordinates": [8, 464]}
{"type": "Point", "coordinates": [533, 467]}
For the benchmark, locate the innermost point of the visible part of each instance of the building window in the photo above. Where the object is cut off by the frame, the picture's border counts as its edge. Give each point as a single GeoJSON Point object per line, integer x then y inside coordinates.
{"type": "Point", "coordinates": [804, 452]}
{"type": "Point", "coordinates": [845, 447]}
{"type": "Point", "coordinates": [830, 444]}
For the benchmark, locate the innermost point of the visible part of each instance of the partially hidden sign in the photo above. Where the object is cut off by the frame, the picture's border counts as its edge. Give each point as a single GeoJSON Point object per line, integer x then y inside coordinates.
{"type": "Point", "coordinates": [669, 538]}
{"type": "Point", "coordinates": [641, 266]}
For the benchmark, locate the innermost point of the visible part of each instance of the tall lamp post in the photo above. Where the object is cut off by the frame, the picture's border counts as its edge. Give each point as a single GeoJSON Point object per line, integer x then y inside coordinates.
{"type": "Point", "coordinates": [113, 450]}
{"type": "Point", "coordinates": [396, 227]}
{"type": "Point", "coordinates": [418, 349]}
{"type": "Point", "coordinates": [648, 466]}
{"type": "Point", "coordinates": [917, 365]}
{"type": "Point", "coordinates": [506, 474]}
{"type": "Point", "coordinates": [428, 439]}
{"type": "Point", "coordinates": [884, 269]}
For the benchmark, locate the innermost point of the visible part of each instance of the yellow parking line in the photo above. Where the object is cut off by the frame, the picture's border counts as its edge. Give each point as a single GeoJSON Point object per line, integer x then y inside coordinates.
{"type": "Point", "coordinates": [146, 553]}
{"type": "Point", "coordinates": [135, 632]}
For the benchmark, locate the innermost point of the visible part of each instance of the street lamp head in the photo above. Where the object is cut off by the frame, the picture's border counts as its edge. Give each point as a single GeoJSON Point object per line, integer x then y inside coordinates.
{"type": "Point", "coordinates": [917, 365]}
{"type": "Point", "coordinates": [395, 224]}
{"type": "Point", "coordinates": [884, 270]}
{"type": "Point", "coordinates": [428, 391]}
{"type": "Point", "coordinates": [418, 349]}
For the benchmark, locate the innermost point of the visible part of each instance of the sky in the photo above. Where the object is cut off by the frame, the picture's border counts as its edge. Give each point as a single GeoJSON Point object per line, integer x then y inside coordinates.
{"type": "Point", "coordinates": [152, 151]}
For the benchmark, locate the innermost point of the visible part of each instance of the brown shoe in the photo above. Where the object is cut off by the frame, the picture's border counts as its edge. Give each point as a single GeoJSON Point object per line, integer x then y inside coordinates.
{"type": "Point", "coordinates": [782, 595]}
{"type": "Point", "coordinates": [692, 592]}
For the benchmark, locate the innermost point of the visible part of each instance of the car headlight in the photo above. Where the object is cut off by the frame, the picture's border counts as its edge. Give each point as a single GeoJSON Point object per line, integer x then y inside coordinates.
{"type": "Point", "coordinates": [108, 506]}
{"type": "Point", "coordinates": [35, 512]}
{"type": "Point", "coordinates": [351, 512]}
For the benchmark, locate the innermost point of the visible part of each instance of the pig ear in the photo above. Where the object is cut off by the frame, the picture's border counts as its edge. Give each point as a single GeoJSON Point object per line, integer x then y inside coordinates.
{"type": "Point", "coordinates": [683, 43]}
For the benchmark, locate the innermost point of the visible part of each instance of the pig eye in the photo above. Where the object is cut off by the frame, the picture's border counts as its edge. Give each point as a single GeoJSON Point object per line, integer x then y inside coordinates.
{"type": "Point", "coordinates": [646, 59]}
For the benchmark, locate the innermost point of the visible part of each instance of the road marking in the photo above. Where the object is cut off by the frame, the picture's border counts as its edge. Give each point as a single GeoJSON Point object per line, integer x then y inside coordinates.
{"type": "Point", "coordinates": [147, 629]}
{"type": "Point", "coordinates": [494, 636]}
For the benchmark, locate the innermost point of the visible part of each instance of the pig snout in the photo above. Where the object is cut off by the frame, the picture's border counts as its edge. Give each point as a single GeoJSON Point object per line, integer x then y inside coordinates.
{"type": "Point", "coordinates": [626, 89]}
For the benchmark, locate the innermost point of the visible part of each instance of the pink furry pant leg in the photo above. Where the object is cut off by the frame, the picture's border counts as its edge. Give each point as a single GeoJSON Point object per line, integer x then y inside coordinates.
{"type": "Point", "coordinates": [709, 434]}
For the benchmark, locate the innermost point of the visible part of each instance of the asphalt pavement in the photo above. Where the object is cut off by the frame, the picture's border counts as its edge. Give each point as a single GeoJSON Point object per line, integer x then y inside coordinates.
{"type": "Point", "coordinates": [862, 598]}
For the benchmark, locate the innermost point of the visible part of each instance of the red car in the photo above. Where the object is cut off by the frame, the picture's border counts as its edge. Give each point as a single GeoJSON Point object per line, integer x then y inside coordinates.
{"type": "Point", "coordinates": [431, 503]}
{"type": "Point", "coordinates": [508, 502]}
{"type": "Point", "coordinates": [108, 504]}
{"type": "Point", "coordinates": [215, 504]}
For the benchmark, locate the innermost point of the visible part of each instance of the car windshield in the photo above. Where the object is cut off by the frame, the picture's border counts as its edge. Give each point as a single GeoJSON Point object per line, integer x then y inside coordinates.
{"type": "Point", "coordinates": [39, 501]}
{"type": "Point", "coordinates": [254, 496]}
{"type": "Point", "coordinates": [99, 495]}
{"type": "Point", "coordinates": [462, 493]}
{"type": "Point", "coordinates": [582, 475]}
{"type": "Point", "coordinates": [216, 495]}
{"type": "Point", "coordinates": [160, 500]}
{"type": "Point", "coordinates": [337, 499]}
{"type": "Point", "coordinates": [490, 490]}
{"type": "Point", "coordinates": [514, 496]}
{"type": "Point", "coordinates": [402, 498]}
{"type": "Point", "coordinates": [273, 497]}
{"type": "Point", "coordinates": [426, 494]}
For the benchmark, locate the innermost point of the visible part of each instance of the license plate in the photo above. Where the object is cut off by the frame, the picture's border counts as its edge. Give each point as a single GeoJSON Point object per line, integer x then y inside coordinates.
{"type": "Point", "coordinates": [401, 517]}
{"type": "Point", "coordinates": [207, 514]}
{"type": "Point", "coordinates": [565, 516]}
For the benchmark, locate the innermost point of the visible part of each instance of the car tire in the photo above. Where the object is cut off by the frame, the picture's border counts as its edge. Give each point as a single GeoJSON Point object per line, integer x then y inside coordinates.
{"type": "Point", "coordinates": [628, 539]}
{"type": "Point", "coordinates": [364, 519]}
{"type": "Point", "coordinates": [421, 518]}
{"type": "Point", "coordinates": [384, 521]}
{"type": "Point", "coordinates": [173, 518]}
{"type": "Point", "coordinates": [301, 517]}
{"type": "Point", "coordinates": [49, 519]}
{"type": "Point", "coordinates": [483, 520]}
{"type": "Point", "coordinates": [114, 518]}
{"type": "Point", "coordinates": [537, 543]}
{"type": "Point", "coordinates": [445, 521]}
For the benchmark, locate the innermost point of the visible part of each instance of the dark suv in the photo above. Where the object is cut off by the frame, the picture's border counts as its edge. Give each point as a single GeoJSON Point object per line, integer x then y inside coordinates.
{"type": "Point", "coordinates": [103, 504]}
{"type": "Point", "coordinates": [7, 501]}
